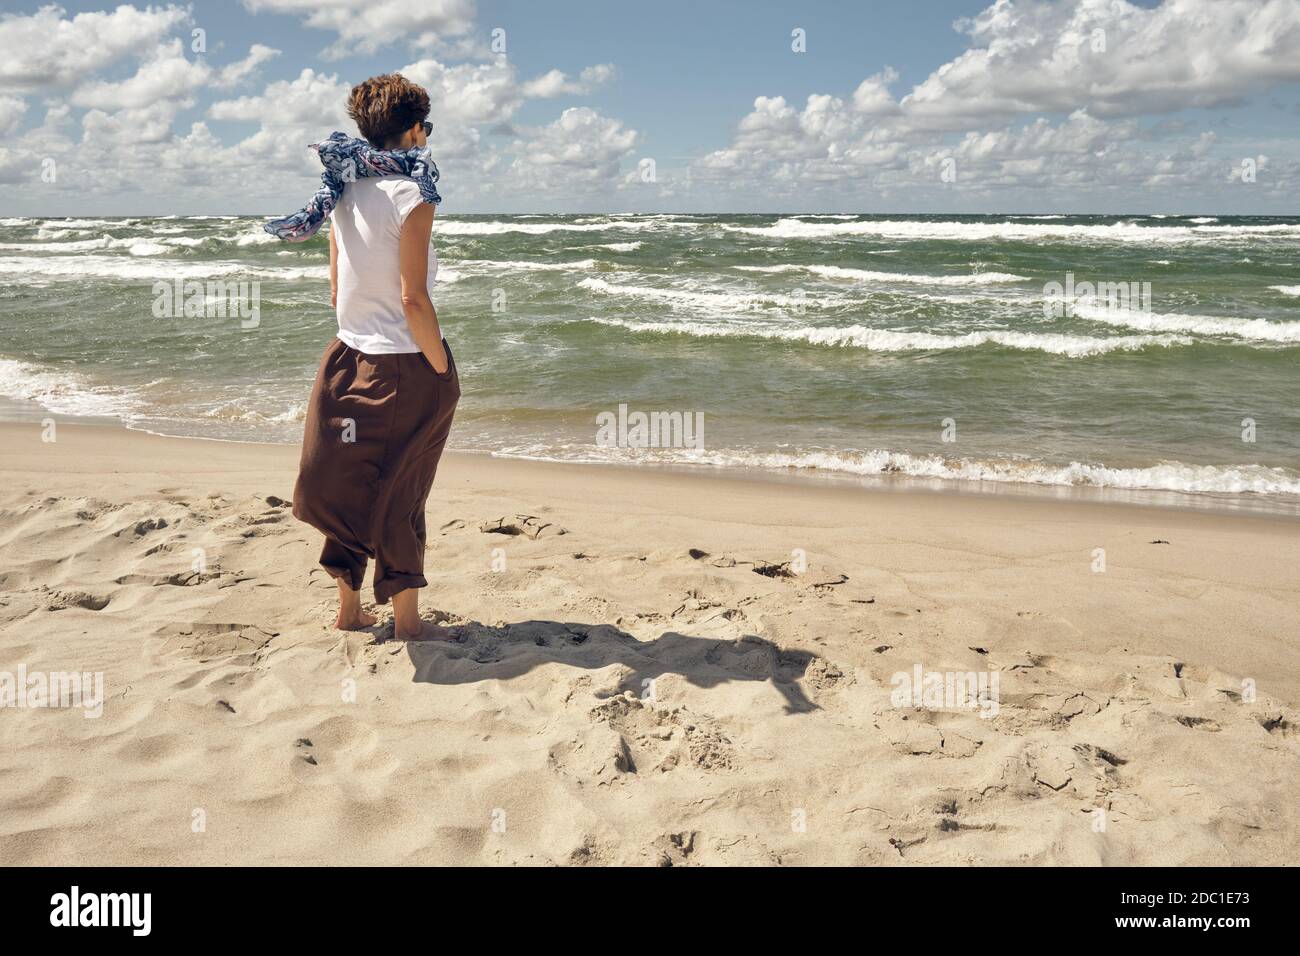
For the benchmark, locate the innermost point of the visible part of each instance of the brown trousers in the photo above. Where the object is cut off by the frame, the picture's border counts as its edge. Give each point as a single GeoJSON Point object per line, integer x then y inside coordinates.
{"type": "Point", "coordinates": [376, 427]}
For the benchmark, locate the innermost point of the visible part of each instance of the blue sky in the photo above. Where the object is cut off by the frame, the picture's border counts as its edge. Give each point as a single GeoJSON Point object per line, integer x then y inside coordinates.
{"type": "Point", "coordinates": [941, 106]}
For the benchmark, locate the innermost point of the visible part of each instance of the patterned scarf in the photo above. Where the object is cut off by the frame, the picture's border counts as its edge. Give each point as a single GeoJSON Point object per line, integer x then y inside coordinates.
{"type": "Point", "coordinates": [347, 159]}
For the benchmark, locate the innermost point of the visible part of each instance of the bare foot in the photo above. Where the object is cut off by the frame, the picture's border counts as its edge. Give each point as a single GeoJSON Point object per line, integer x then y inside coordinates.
{"type": "Point", "coordinates": [351, 617]}
{"type": "Point", "coordinates": [407, 624]}
{"type": "Point", "coordinates": [427, 632]}
{"type": "Point", "coordinates": [354, 620]}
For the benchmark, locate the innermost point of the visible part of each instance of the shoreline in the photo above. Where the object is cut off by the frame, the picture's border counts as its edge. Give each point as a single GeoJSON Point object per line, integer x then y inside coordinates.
{"type": "Point", "coordinates": [1262, 506]}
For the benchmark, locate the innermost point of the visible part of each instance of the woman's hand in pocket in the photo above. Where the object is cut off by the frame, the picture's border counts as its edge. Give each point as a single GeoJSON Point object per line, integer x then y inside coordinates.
{"type": "Point", "coordinates": [438, 359]}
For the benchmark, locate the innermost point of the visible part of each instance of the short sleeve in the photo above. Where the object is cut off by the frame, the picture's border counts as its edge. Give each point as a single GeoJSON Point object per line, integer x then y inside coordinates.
{"type": "Point", "coordinates": [405, 198]}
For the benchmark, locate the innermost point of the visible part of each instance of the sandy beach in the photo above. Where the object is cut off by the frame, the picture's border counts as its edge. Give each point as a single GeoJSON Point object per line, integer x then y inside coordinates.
{"type": "Point", "coordinates": [652, 668]}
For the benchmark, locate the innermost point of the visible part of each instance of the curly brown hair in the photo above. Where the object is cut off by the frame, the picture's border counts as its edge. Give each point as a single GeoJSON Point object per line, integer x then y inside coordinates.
{"type": "Point", "coordinates": [385, 107]}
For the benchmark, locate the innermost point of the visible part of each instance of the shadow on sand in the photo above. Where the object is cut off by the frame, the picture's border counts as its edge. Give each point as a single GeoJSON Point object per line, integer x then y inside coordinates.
{"type": "Point", "coordinates": [500, 653]}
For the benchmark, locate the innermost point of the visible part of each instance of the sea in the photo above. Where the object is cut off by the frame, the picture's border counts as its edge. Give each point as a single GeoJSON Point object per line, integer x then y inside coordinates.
{"type": "Point", "coordinates": [1149, 358]}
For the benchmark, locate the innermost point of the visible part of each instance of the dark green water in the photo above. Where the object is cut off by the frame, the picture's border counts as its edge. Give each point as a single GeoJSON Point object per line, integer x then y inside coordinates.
{"type": "Point", "coordinates": [830, 345]}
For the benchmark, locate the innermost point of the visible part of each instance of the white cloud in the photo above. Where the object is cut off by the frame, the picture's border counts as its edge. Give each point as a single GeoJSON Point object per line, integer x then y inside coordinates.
{"type": "Point", "coordinates": [167, 74]}
{"type": "Point", "coordinates": [557, 83]}
{"type": "Point", "coordinates": [468, 97]}
{"type": "Point", "coordinates": [579, 151]}
{"type": "Point", "coordinates": [1042, 107]}
{"type": "Point", "coordinates": [12, 109]}
{"type": "Point", "coordinates": [1030, 58]}
{"type": "Point", "coordinates": [872, 97]}
{"type": "Point", "coordinates": [136, 124]}
{"type": "Point", "coordinates": [235, 73]}
{"type": "Point", "coordinates": [290, 115]}
{"type": "Point", "coordinates": [1111, 58]}
{"type": "Point", "coordinates": [47, 49]}
{"type": "Point", "coordinates": [366, 25]}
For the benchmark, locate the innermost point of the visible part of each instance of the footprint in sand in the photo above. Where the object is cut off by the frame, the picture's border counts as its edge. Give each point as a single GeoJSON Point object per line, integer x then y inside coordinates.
{"type": "Point", "coordinates": [631, 737]}
{"type": "Point", "coordinates": [1277, 724]}
{"type": "Point", "coordinates": [142, 528]}
{"type": "Point", "coordinates": [529, 526]}
{"type": "Point", "coordinates": [60, 600]}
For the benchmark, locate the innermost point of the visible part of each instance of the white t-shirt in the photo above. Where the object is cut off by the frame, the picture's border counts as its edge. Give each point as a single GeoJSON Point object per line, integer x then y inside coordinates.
{"type": "Point", "coordinates": [367, 224]}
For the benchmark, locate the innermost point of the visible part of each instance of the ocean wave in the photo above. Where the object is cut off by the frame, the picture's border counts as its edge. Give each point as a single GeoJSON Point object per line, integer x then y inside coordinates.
{"type": "Point", "coordinates": [1123, 232]}
{"type": "Point", "coordinates": [866, 275]}
{"type": "Point", "coordinates": [239, 410]}
{"type": "Point", "coordinates": [887, 340]}
{"type": "Point", "coordinates": [1286, 289]}
{"type": "Point", "coordinates": [1166, 476]}
{"type": "Point", "coordinates": [89, 223]}
{"type": "Point", "coordinates": [156, 244]}
{"type": "Point", "coordinates": [454, 227]}
{"type": "Point", "coordinates": [62, 391]}
{"type": "Point", "coordinates": [618, 246]}
{"type": "Point", "coordinates": [43, 234]}
{"type": "Point", "coordinates": [715, 301]}
{"type": "Point", "coordinates": [519, 266]}
{"type": "Point", "coordinates": [253, 237]}
{"type": "Point", "coordinates": [1259, 330]}
{"type": "Point", "coordinates": [78, 245]}
{"type": "Point", "coordinates": [121, 267]}
{"type": "Point", "coordinates": [145, 248]}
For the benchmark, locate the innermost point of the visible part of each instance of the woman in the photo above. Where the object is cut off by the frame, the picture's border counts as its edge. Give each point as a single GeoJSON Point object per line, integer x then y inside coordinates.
{"type": "Point", "coordinates": [386, 390]}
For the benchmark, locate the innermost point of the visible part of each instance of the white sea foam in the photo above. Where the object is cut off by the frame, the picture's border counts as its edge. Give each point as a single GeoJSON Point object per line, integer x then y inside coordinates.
{"type": "Point", "coordinates": [135, 245]}
{"type": "Point", "coordinates": [78, 245]}
{"type": "Point", "coordinates": [1286, 289]}
{"type": "Point", "coordinates": [456, 227]}
{"type": "Point", "coordinates": [148, 249]}
{"type": "Point", "coordinates": [510, 265]}
{"type": "Point", "coordinates": [619, 246]}
{"type": "Point", "coordinates": [254, 237]}
{"type": "Point", "coordinates": [159, 237]}
{"type": "Point", "coordinates": [1258, 330]}
{"type": "Point", "coordinates": [239, 410]}
{"type": "Point", "coordinates": [62, 391]}
{"type": "Point", "coordinates": [18, 269]}
{"type": "Point", "coordinates": [1122, 232]}
{"type": "Point", "coordinates": [88, 223]}
{"type": "Point", "coordinates": [1165, 476]}
{"type": "Point", "coordinates": [888, 340]}
{"type": "Point", "coordinates": [711, 301]}
{"type": "Point", "coordinates": [866, 275]}
{"type": "Point", "coordinates": [43, 234]}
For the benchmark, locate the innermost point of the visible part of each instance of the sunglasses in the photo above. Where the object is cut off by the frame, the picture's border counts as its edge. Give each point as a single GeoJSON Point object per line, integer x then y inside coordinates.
{"type": "Point", "coordinates": [428, 127]}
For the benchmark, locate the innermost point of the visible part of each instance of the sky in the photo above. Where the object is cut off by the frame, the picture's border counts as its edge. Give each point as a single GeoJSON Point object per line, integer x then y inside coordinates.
{"type": "Point", "coordinates": [942, 106]}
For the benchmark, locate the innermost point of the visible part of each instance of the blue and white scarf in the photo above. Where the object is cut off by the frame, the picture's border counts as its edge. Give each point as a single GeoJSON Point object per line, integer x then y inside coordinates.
{"type": "Point", "coordinates": [347, 159]}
